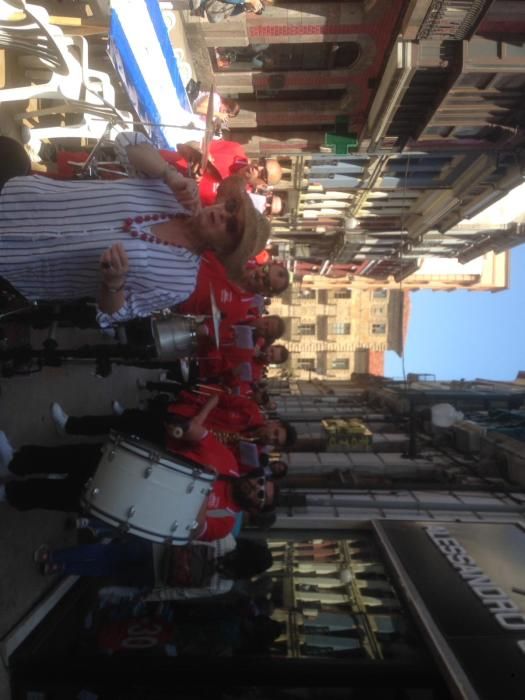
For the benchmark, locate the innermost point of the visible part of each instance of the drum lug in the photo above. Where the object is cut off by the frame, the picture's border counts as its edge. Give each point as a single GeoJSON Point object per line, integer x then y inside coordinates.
{"type": "Point", "coordinates": [116, 439]}
{"type": "Point", "coordinates": [174, 526]}
{"type": "Point", "coordinates": [193, 526]}
{"type": "Point", "coordinates": [95, 491]}
{"type": "Point", "coordinates": [148, 472]}
{"type": "Point", "coordinates": [124, 528]}
{"type": "Point", "coordinates": [131, 511]}
{"type": "Point", "coordinates": [190, 487]}
{"type": "Point", "coordinates": [206, 491]}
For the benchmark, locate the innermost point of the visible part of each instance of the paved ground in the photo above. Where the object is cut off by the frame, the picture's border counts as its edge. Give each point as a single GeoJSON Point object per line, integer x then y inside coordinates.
{"type": "Point", "coordinates": [24, 416]}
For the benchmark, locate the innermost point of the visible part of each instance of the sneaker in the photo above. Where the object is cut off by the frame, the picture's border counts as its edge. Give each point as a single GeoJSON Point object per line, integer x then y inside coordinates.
{"type": "Point", "coordinates": [60, 418]}
{"type": "Point", "coordinates": [6, 454]}
{"type": "Point", "coordinates": [117, 408]}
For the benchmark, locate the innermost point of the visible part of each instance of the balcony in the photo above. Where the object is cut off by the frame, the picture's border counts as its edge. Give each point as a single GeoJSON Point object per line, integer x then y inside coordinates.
{"type": "Point", "coordinates": [452, 19]}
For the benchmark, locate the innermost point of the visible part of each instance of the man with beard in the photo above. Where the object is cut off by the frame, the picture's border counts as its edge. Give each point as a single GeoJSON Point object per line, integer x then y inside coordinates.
{"type": "Point", "coordinates": [237, 299]}
{"type": "Point", "coordinates": [230, 419]}
{"type": "Point", "coordinates": [234, 366]}
{"type": "Point", "coordinates": [229, 496]}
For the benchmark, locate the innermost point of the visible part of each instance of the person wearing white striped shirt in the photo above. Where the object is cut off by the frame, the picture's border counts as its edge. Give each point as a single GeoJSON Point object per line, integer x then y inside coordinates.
{"type": "Point", "coordinates": [133, 244]}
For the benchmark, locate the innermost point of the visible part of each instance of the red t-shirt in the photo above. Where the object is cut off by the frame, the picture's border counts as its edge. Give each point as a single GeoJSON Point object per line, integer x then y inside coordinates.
{"type": "Point", "coordinates": [226, 156]}
{"type": "Point", "coordinates": [226, 366]}
{"type": "Point", "coordinates": [235, 304]}
{"type": "Point", "coordinates": [215, 456]}
{"type": "Point", "coordinates": [232, 413]}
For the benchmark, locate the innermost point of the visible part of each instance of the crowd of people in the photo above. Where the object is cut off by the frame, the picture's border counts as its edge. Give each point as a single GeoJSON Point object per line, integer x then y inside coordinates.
{"type": "Point", "coordinates": [126, 248]}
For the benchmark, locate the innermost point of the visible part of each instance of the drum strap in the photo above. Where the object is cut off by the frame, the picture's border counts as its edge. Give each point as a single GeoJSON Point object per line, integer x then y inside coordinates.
{"type": "Point", "coordinates": [252, 474]}
{"type": "Point", "coordinates": [220, 513]}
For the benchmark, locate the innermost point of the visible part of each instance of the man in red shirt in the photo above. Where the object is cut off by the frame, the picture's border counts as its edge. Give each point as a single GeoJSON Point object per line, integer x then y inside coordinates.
{"type": "Point", "coordinates": [225, 158]}
{"type": "Point", "coordinates": [229, 418]}
{"type": "Point", "coordinates": [234, 299]}
{"type": "Point", "coordinates": [230, 493]}
{"type": "Point", "coordinates": [231, 365]}
{"type": "Point", "coordinates": [231, 413]}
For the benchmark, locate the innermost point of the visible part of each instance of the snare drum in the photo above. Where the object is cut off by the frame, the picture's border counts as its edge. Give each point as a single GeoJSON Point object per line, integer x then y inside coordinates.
{"type": "Point", "coordinates": [163, 336]}
{"type": "Point", "coordinates": [146, 491]}
{"type": "Point", "coordinates": [174, 336]}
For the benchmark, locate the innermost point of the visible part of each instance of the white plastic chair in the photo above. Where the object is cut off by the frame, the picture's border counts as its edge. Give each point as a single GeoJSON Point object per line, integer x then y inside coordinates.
{"type": "Point", "coordinates": [62, 61]}
{"type": "Point", "coordinates": [47, 51]}
{"type": "Point", "coordinates": [94, 116]}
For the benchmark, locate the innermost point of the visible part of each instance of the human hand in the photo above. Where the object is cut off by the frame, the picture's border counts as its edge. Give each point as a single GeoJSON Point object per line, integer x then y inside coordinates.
{"type": "Point", "coordinates": [254, 5]}
{"type": "Point", "coordinates": [114, 265]}
{"type": "Point", "coordinates": [193, 157]}
{"type": "Point", "coordinates": [195, 431]}
{"type": "Point", "coordinates": [212, 402]}
{"type": "Point", "coordinates": [185, 189]}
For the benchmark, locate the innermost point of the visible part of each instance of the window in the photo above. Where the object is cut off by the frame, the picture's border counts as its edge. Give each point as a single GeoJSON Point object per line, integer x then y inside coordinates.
{"type": "Point", "coordinates": [378, 328]}
{"type": "Point", "coordinates": [476, 80]}
{"type": "Point", "coordinates": [341, 363]}
{"type": "Point", "coordinates": [322, 296]}
{"type": "Point", "coordinates": [307, 56]}
{"type": "Point", "coordinates": [307, 329]}
{"type": "Point", "coordinates": [306, 363]}
{"type": "Point", "coordinates": [307, 294]}
{"type": "Point", "coordinates": [378, 310]}
{"type": "Point", "coordinates": [342, 328]}
{"type": "Point", "coordinates": [380, 293]}
{"type": "Point", "coordinates": [343, 294]}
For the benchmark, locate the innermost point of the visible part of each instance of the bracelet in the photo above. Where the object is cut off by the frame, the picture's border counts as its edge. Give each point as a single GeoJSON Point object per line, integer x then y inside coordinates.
{"type": "Point", "coordinates": [113, 290]}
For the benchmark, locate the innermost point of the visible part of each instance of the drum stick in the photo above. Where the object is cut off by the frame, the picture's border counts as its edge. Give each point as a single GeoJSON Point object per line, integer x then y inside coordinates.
{"type": "Point", "coordinates": [217, 390]}
{"type": "Point", "coordinates": [201, 393]}
{"type": "Point", "coordinates": [193, 389]}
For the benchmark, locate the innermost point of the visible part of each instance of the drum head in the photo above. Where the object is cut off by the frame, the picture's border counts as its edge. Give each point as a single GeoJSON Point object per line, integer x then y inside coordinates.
{"type": "Point", "coordinates": [134, 444]}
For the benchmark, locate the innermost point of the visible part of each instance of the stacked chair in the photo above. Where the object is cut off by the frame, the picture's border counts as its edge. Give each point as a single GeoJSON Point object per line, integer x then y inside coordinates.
{"type": "Point", "coordinates": [57, 69]}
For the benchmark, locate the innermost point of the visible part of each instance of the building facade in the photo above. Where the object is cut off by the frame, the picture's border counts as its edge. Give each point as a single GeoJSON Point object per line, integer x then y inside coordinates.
{"type": "Point", "coordinates": [331, 333]}
{"type": "Point", "coordinates": [396, 123]}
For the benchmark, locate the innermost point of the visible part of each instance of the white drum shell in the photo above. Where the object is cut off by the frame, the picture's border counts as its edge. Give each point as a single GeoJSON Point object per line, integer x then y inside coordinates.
{"type": "Point", "coordinates": [147, 492]}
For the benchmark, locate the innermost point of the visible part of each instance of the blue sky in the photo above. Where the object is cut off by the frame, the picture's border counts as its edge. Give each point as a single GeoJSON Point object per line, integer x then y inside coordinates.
{"type": "Point", "coordinates": [462, 334]}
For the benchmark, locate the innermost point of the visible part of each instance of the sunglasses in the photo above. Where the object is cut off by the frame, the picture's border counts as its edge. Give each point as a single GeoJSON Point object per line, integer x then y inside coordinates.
{"type": "Point", "coordinates": [260, 494]}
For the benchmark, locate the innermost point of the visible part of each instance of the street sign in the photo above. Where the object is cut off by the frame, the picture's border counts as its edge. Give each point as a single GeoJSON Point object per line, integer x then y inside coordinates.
{"type": "Point", "coordinates": [465, 583]}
